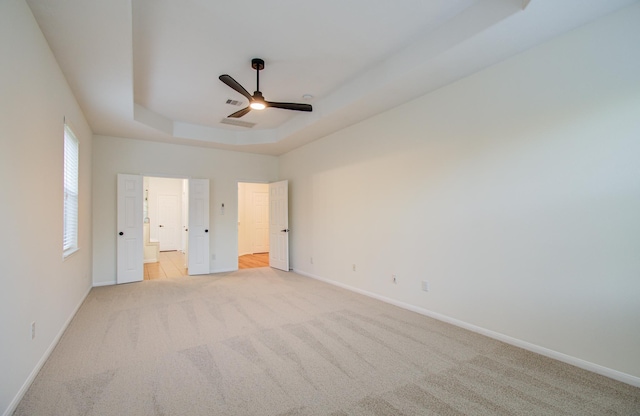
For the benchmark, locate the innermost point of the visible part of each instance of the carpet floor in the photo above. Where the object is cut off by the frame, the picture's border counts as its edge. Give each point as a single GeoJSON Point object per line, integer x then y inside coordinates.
{"type": "Point", "coordinates": [265, 342]}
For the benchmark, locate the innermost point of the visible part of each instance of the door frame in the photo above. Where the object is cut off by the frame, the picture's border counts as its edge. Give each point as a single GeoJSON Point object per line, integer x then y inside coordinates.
{"type": "Point", "coordinates": [142, 195]}
{"type": "Point", "coordinates": [182, 225]}
{"type": "Point", "coordinates": [238, 182]}
{"type": "Point", "coordinates": [246, 204]}
{"type": "Point", "coordinates": [237, 251]}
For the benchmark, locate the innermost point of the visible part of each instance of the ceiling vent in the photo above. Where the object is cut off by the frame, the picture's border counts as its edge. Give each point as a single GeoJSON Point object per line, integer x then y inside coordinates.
{"type": "Point", "coordinates": [235, 102]}
{"type": "Point", "coordinates": [235, 122]}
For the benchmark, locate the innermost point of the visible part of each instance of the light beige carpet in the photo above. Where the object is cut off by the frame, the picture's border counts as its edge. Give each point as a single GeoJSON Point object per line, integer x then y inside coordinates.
{"type": "Point", "coordinates": [265, 342]}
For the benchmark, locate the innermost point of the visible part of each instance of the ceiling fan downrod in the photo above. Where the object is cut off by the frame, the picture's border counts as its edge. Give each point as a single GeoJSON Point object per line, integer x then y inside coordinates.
{"type": "Point", "coordinates": [258, 65]}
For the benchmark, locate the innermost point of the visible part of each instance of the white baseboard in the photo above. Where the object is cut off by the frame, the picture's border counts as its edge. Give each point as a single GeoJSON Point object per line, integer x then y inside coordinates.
{"type": "Point", "coordinates": [577, 362]}
{"type": "Point", "coordinates": [98, 284]}
{"type": "Point", "coordinates": [150, 261]}
{"type": "Point", "coordinates": [16, 400]}
{"type": "Point", "coordinates": [112, 283]}
{"type": "Point", "coordinates": [223, 270]}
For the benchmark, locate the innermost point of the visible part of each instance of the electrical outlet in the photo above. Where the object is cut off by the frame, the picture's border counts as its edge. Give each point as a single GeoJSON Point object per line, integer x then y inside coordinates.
{"type": "Point", "coordinates": [213, 257]}
{"type": "Point", "coordinates": [311, 260]}
{"type": "Point", "coordinates": [354, 267]}
{"type": "Point", "coordinates": [33, 329]}
{"type": "Point", "coordinates": [425, 285]}
{"type": "Point", "coordinates": [394, 279]}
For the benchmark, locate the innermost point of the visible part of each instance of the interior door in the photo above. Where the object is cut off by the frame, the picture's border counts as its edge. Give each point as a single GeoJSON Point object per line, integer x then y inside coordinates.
{"type": "Point", "coordinates": [260, 218]}
{"type": "Point", "coordinates": [169, 222]}
{"type": "Point", "coordinates": [130, 245]}
{"type": "Point", "coordinates": [198, 262]}
{"type": "Point", "coordinates": [279, 225]}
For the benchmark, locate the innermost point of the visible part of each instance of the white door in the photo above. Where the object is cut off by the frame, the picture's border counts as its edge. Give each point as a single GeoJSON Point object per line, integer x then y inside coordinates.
{"type": "Point", "coordinates": [169, 222]}
{"type": "Point", "coordinates": [130, 225]}
{"type": "Point", "coordinates": [260, 216]}
{"type": "Point", "coordinates": [279, 225]}
{"type": "Point", "coordinates": [198, 226]}
{"type": "Point", "coordinates": [184, 222]}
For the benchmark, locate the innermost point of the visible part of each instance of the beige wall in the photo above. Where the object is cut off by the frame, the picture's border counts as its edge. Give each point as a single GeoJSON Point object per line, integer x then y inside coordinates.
{"type": "Point", "coordinates": [514, 192]}
{"type": "Point", "coordinates": [37, 284]}
{"type": "Point", "coordinates": [223, 169]}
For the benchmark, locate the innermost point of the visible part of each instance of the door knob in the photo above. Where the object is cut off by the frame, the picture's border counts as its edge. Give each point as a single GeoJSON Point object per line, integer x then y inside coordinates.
{"type": "Point", "coordinates": [120, 233]}
{"type": "Point", "coordinates": [160, 225]}
{"type": "Point", "coordinates": [285, 231]}
{"type": "Point", "coordinates": [206, 231]}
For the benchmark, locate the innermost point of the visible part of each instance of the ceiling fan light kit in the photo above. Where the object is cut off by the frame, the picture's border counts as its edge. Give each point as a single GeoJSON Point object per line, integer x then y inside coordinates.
{"type": "Point", "coordinates": [257, 101]}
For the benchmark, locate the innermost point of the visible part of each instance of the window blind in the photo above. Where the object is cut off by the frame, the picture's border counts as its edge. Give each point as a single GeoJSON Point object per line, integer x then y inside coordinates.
{"type": "Point", "coordinates": [71, 151]}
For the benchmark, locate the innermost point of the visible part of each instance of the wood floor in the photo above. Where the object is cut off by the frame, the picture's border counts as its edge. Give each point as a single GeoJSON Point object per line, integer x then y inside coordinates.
{"type": "Point", "coordinates": [251, 261]}
{"type": "Point", "coordinates": [171, 264]}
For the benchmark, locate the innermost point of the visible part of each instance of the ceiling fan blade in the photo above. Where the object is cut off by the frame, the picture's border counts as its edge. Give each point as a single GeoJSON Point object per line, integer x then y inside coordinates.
{"type": "Point", "coordinates": [240, 113]}
{"type": "Point", "coordinates": [290, 106]}
{"type": "Point", "coordinates": [235, 85]}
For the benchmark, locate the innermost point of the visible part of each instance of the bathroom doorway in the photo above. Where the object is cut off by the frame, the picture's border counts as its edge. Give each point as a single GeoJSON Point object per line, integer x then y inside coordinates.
{"type": "Point", "coordinates": [166, 208]}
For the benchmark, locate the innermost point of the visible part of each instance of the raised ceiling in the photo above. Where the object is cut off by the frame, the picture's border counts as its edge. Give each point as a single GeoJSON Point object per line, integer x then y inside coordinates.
{"type": "Point", "coordinates": [148, 69]}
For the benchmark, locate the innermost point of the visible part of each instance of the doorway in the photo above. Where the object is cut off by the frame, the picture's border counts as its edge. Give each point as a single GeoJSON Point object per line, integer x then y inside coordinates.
{"type": "Point", "coordinates": [133, 218]}
{"type": "Point", "coordinates": [253, 225]}
{"type": "Point", "coordinates": [166, 207]}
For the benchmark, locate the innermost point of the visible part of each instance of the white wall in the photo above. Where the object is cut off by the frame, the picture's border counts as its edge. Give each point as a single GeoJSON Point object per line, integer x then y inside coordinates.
{"type": "Point", "coordinates": [37, 284]}
{"type": "Point", "coordinates": [515, 192]}
{"type": "Point", "coordinates": [223, 168]}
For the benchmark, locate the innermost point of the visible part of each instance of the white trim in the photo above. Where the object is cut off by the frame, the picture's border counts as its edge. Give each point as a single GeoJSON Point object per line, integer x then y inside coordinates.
{"type": "Point", "coordinates": [69, 252]}
{"type": "Point", "coordinates": [16, 400]}
{"type": "Point", "coordinates": [261, 182]}
{"type": "Point", "coordinates": [71, 124]}
{"type": "Point", "coordinates": [223, 270]}
{"type": "Point", "coordinates": [577, 362]}
{"type": "Point", "coordinates": [164, 176]}
{"type": "Point", "coordinates": [99, 284]}
{"type": "Point", "coordinates": [154, 260]}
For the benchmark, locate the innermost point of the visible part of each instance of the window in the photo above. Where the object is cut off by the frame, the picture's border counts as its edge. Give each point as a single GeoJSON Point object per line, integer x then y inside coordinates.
{"type": "Point", "coordinates": [70, 236]}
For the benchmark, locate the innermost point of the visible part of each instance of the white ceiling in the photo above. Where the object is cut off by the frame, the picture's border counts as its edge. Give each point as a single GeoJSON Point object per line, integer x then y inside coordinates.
{"type": "Point", "coordinates": [148, 69]}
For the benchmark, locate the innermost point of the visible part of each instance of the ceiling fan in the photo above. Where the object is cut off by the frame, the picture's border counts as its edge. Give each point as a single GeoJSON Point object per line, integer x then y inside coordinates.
{"type": "Point", "coordinates": [257, 101]}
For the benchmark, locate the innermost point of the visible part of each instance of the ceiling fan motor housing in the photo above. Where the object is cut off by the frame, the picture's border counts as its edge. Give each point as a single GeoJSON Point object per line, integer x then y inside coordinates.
{"type": "Point", "coordinates": [257, 64]}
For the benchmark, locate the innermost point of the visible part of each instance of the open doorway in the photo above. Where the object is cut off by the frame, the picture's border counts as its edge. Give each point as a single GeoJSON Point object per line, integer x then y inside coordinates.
{"type": "Point", "coordinates": [253, 225]}
{"type": "Point", "coordinates": [166, 208]}
{"type": "Point", "coordinates": [133, 206]}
